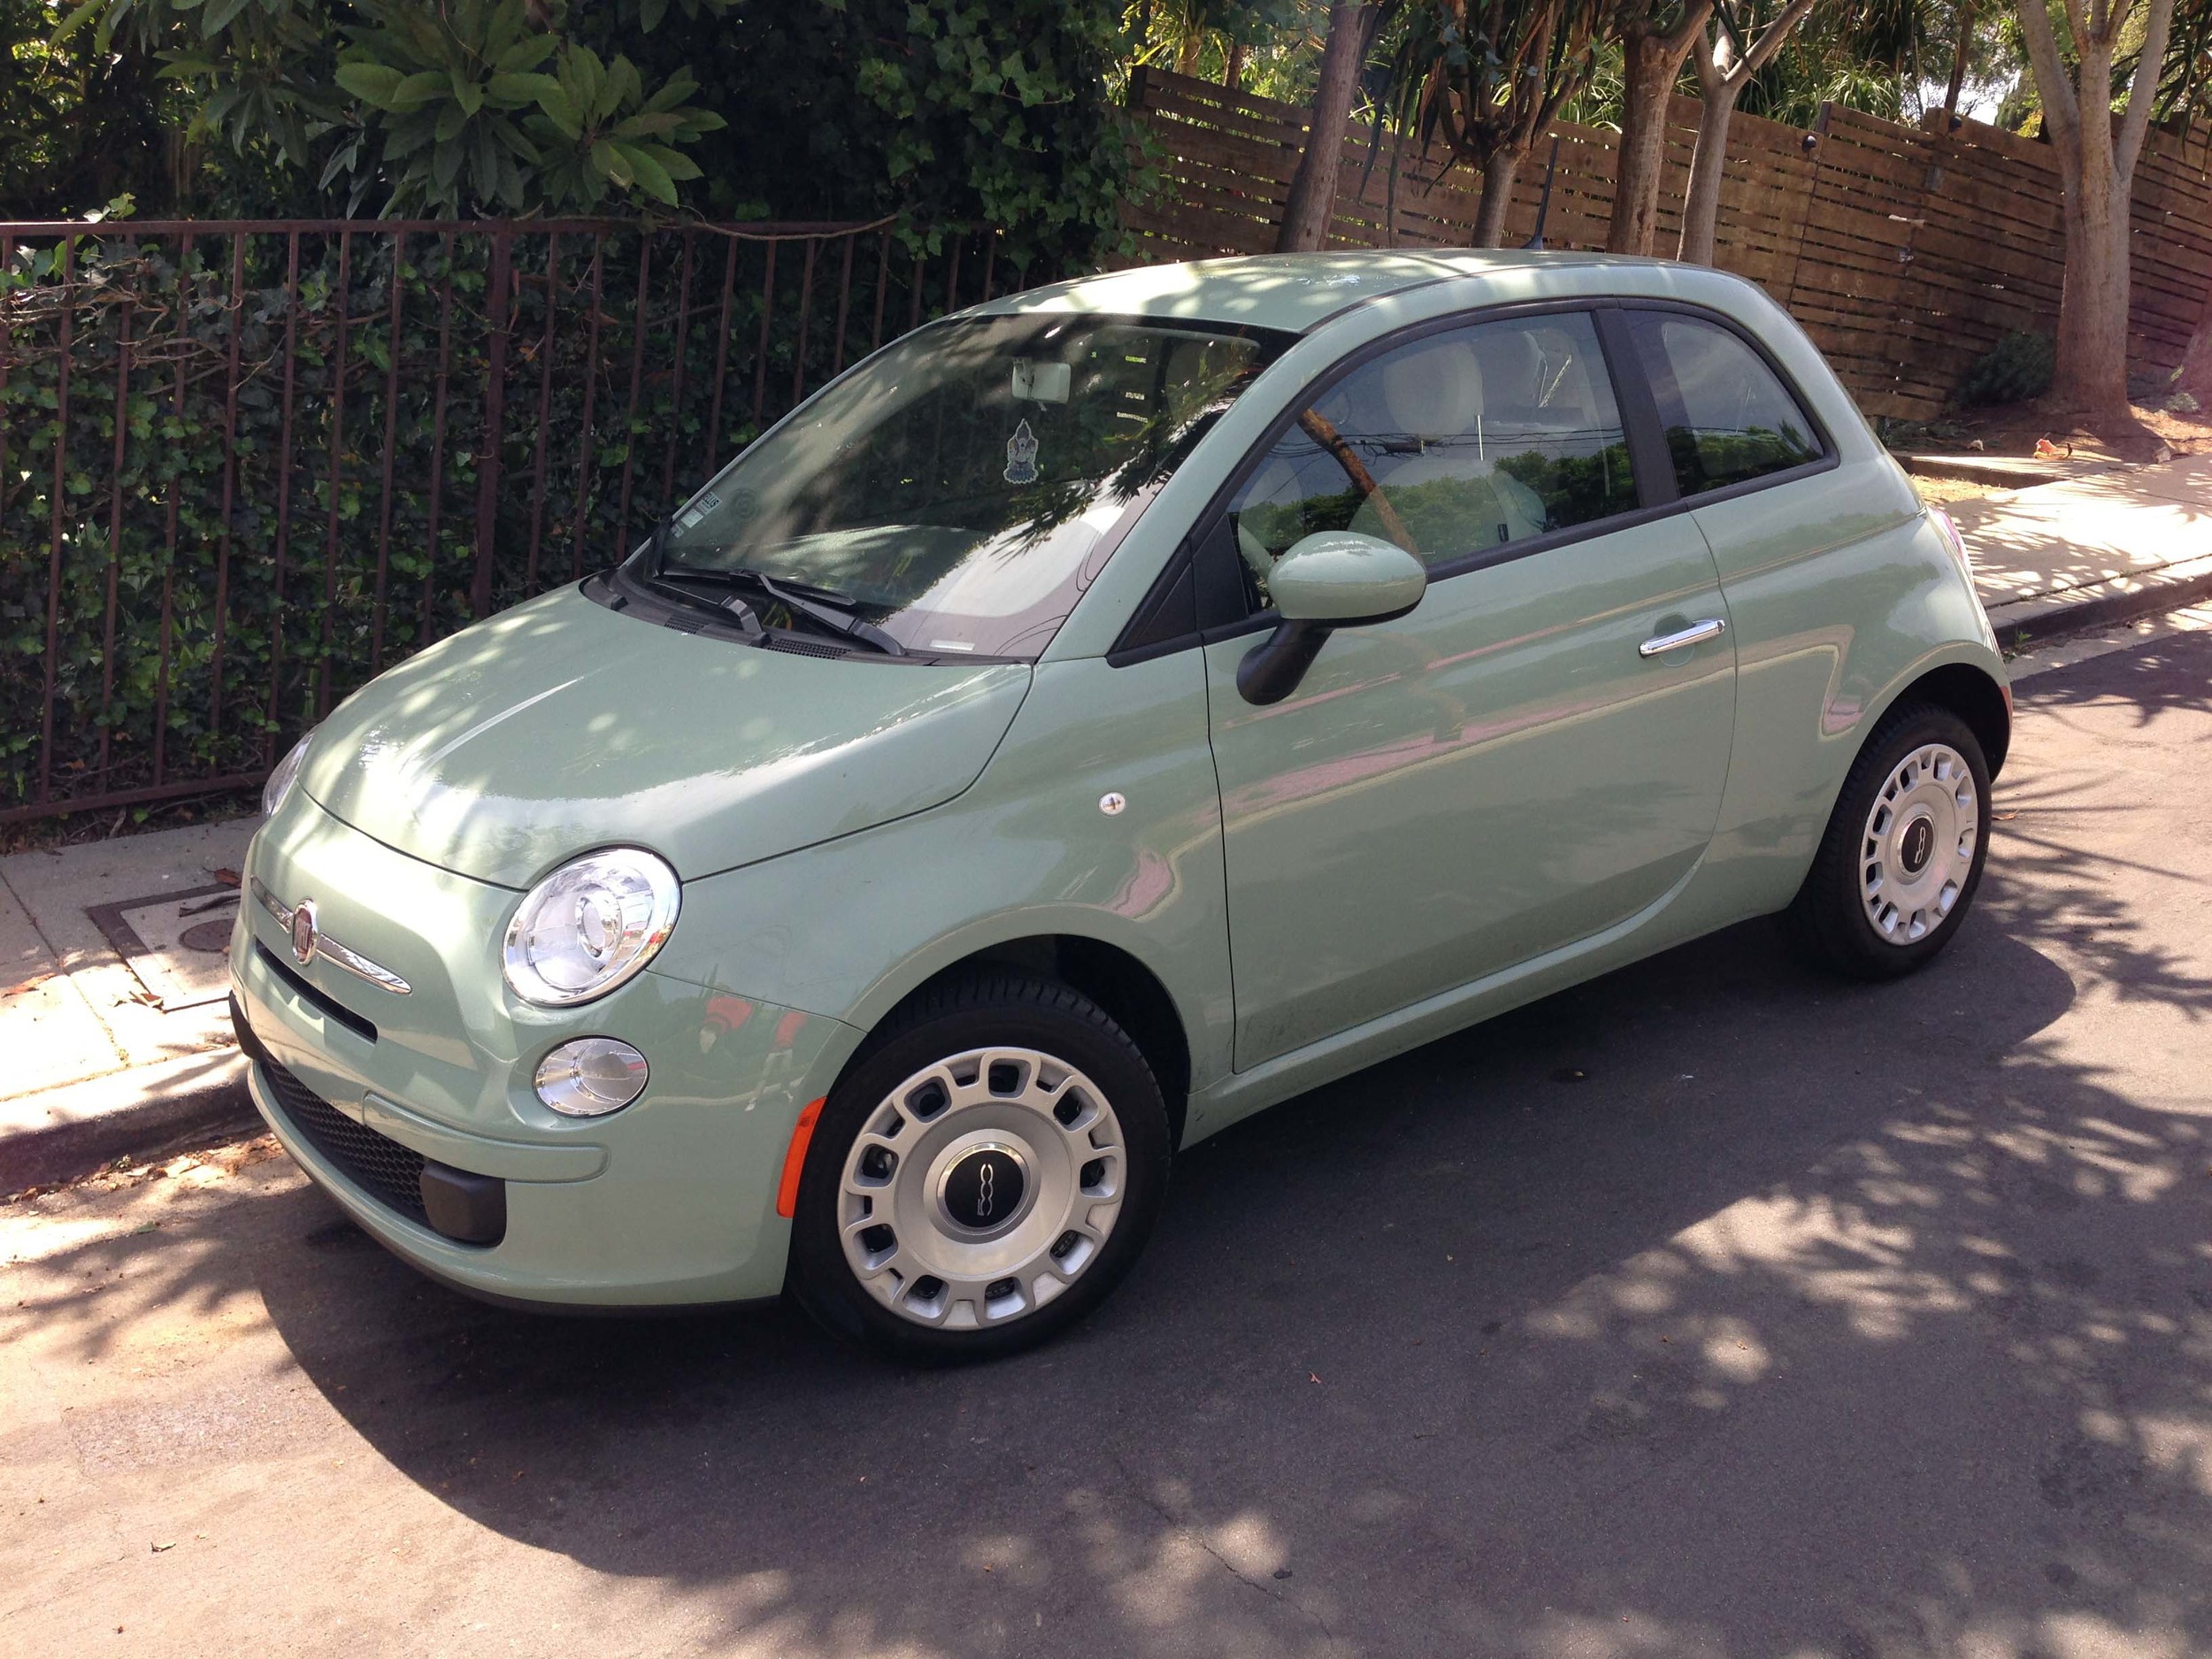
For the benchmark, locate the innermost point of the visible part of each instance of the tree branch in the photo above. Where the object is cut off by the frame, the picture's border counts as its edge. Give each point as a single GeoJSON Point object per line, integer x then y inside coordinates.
{"type": "Point", "coordinates": [2135, 124]}
{"type": "Point", "coordinates": [1770, 42]}
{"type": "Point", "coordinates": [2061, 110]}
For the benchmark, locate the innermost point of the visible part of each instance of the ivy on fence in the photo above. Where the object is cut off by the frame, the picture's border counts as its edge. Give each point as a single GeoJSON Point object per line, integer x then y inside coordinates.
{"type": "Point", "coordinates": [243, 467]}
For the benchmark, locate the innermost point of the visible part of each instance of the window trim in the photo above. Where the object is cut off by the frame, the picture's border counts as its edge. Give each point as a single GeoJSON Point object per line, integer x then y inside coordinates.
{"type": "Point", "coordinates": [1829, 458]}
{"type": "Point", "coordinates": [1653, 467]}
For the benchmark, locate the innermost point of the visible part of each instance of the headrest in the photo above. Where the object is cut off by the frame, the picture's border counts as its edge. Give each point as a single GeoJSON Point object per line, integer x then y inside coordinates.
{"type": "Point", "coordinates": [1433, 391]}
{"type": "Point", "coordinates": [1512, 365]}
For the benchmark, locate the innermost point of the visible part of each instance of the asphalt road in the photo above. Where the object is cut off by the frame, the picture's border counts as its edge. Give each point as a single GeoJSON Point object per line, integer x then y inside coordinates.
{"type": "Point", "coordinates": [1711, 1309]}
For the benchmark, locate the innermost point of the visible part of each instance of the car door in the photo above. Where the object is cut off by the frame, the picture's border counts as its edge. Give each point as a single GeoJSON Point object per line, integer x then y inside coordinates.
{"type": "Point", "coordinates": [1516, 765]}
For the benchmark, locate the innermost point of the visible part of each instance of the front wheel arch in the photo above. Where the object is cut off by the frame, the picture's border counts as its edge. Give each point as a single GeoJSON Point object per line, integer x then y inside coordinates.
{"type": "Point", "coordinates": [1131, 993]}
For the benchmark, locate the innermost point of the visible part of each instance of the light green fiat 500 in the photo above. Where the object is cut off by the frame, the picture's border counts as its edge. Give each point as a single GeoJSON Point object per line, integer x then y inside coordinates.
{"type": "Point", "coordinates": [1092, 718]}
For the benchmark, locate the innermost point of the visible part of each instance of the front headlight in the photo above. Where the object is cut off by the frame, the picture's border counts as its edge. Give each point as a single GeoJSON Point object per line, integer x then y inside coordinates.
{"type": "Point", "coordinates": [589, 925]}
{"type": "Point", "coordinates": [287, 774]}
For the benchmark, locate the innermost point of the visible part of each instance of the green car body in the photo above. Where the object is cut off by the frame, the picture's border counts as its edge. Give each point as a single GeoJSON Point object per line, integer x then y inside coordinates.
{"type": "Point", "coordinates": [1487, 798]}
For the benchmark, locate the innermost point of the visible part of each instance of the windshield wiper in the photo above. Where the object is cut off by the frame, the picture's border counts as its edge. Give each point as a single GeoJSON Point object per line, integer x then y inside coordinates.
{"type": "Point", "coordinates": [824, 606]}
{"type": "Point", "coordinates": [656, 570]}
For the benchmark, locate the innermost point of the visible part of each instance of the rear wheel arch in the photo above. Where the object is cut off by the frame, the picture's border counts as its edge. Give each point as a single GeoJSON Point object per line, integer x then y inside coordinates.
{"type": "Point", "coordinates": [1972, 694]}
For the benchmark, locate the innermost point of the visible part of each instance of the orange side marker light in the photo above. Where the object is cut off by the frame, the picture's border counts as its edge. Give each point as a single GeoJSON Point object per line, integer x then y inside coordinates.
{"type": "Point", "coordinates": [795, 1159]}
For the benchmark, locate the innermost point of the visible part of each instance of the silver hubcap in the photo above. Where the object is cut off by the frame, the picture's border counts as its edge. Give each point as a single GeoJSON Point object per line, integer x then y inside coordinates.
{"type": "Point", "coordinates": [981, 1187]}
{"type": "Point", "coordinates": [1918, 846]}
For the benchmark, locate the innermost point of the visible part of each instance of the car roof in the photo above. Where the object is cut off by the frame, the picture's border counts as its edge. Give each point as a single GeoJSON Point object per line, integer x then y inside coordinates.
{"type": "Point", "coordinates": [1299, 291]}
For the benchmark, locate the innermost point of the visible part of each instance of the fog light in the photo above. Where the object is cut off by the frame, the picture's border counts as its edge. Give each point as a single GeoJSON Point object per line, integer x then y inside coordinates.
{"type": "Point", "coordinates": [591, 1077]}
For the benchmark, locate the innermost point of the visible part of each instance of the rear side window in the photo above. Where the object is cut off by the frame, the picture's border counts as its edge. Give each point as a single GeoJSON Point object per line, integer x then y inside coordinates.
{"type": "Point", "coordinates": [1727, 418]}
{"type": "Point", "coordinates": [1452, 444]}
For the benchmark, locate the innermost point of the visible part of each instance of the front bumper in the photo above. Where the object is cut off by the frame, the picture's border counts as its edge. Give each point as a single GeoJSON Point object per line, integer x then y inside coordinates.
{"type": "Point", "coordinates": [671, 1200]}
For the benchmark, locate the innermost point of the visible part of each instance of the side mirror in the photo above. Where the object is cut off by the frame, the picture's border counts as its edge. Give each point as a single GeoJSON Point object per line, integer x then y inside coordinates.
{"type": "Point", "coordinates": [1334, 579]}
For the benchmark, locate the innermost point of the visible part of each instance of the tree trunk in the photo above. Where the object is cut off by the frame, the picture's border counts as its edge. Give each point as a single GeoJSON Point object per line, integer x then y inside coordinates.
{"type": "Point", "coordinates": [1701, 210]}
{"type": "Point", "coordinates": [1958, 65]}
{"type": "Point", "coordinates": [2093, 308]}
{"type": "Point", "coordinates": [2097, 173]}
{"type": "Point", "coordinates": [1233, 70]}
{"type": "Point", "coordinates": [1650, 63]}
{"type": "Point", "coordinates": [2194, 376]}
{"type": "Point", "coordinates": [1498, 174]}
{"type": "Point", "coordinates": [1305, 227]}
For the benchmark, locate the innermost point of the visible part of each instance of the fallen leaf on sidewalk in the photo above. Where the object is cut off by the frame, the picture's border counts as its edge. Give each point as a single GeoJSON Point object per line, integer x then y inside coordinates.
{"type": "Point", "coordinates": [31, 984]}
{"type": "Point", "coordinates": [160, 1547]}
{"type": "Point", "coordinates": [226, 876]}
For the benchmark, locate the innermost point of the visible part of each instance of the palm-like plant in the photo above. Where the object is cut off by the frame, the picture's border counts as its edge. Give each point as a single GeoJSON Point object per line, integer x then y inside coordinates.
{"type": "Point", "coordinates": [1487, 78]}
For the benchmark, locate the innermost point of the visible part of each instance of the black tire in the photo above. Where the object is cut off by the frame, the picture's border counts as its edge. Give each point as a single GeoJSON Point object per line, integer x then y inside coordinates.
{"type": "Point", "coordinates": [1828, 923]}
{"type": "Point", "coordinates": [988, 1010]}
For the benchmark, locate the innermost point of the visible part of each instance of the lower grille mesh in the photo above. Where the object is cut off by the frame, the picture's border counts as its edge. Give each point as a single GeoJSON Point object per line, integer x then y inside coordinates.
{"type": "Point", "coordinates": [377, 1164]}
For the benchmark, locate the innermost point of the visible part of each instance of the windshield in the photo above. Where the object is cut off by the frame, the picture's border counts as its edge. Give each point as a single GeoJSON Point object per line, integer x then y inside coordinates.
{"type": "Point", "coordinates": [955, 488]}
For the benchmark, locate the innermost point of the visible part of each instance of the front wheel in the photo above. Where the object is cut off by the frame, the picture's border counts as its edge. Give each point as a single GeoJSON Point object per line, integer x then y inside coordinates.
{"type": "Point", "coordinates": [1897, 870]}
{"type": "Point", "coordinates": [983, 1177]}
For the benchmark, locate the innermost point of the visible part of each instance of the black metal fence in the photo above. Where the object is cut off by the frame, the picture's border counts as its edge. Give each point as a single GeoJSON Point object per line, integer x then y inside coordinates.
{"type": "Point", "coordinates": [245, 465]}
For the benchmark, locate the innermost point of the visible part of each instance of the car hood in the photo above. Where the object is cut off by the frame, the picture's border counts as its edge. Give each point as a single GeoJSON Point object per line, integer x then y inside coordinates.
{"type": "Point", "coordinates": [561, 726]}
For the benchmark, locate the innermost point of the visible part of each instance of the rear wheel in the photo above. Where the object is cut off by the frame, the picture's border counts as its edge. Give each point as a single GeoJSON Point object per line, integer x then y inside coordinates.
{"type": "Point", "coordinates": [983, 1177]}
{"type": "Point", "coordinates": [1898, 868]}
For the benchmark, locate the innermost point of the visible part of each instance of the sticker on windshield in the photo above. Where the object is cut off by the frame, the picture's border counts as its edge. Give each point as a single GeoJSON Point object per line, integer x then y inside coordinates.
{"type": "Point", "coordinates": [1021, 456]}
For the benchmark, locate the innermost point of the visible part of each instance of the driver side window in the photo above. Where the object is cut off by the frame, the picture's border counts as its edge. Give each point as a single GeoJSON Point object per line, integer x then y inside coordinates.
{"type": "Point", "coordinates": [1452, 444]}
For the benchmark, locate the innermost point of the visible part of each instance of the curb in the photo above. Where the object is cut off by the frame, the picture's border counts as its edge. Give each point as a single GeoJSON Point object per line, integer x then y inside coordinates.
{"type": "Point", "coordinates": [2097, 613]}
{"type": "Point", "coordinates": [59, 1134]}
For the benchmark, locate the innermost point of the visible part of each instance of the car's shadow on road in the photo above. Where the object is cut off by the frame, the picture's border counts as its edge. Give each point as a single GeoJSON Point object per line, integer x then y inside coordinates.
{"type": "Point", "coordinates": [1711, 1306]}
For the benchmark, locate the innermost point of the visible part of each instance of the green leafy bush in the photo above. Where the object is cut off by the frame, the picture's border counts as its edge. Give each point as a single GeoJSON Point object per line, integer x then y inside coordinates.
{"type": "Point", "coordinates": [2018, 367]}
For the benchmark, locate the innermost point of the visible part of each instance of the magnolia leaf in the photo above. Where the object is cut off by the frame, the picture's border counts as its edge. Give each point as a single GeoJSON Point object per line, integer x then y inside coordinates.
{"type": "Point", "coordinates": [623, 86]}
{"type": "Point", "coordinates": [445, 162]}
{"type": "Point", "coordinates": [560, 108]}
{"type": "Point", "coordinates": [582, 74]}
{"type": "Point", "coordinates": [678, 87]}
{"type": "Point", "coordinates": [649, 175]}
{"type": "Point", "coordinates": [374, 84]}
{"type": "Point", "coordinates": [452, 120]}
{"type": "Point", "coordinates": [516, 90]}
{"type": "Point", "coordinates": [426, 86]}
{"type": "Point", "coordinates": [527, 53]}
{"type": "Point", "coordinates": [647, 127]}
{"type": "Point", "coordinates": [75, 21]}
{"type": "Point", "coordinates": [674, 163]}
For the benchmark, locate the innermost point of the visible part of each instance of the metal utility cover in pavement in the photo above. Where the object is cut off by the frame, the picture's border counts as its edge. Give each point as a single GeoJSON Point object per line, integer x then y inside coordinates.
{"type": "Point", "coordinates": [177, 943]}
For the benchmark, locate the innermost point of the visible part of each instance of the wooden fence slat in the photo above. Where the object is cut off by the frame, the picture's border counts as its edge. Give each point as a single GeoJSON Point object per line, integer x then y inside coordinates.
{"type": "Point", "coordinates": [1906, 252]}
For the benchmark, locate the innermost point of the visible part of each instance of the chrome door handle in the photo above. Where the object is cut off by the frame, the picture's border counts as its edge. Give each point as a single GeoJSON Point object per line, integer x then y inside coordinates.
{"type": "Point", "coordinates": [1696, 633]}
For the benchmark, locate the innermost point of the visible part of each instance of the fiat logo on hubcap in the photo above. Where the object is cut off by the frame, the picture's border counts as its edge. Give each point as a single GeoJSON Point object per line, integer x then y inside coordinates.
{"type": "Point", "coordinates": [1919, 843]}
{"type": "Point", "coordinates": [303, 933]}
{"type": "Point", "coordinates": [983, 1189]}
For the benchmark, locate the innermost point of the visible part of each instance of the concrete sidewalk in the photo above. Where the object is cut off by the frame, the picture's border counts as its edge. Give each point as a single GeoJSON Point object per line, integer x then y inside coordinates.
{"type": "Point", "coordinates": [111, 969]}
{"type": "Point", "coordinates": [112, 999]}
{"type": "Point", "coordinates": [2090, 550]}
